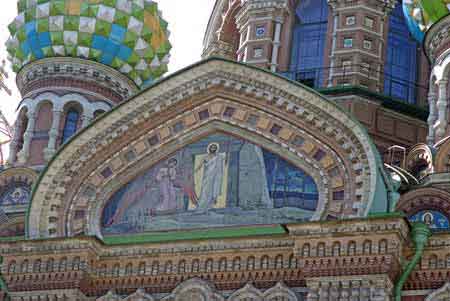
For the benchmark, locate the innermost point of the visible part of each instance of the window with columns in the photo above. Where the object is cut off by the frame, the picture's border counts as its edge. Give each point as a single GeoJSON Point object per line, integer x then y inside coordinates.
{"type": "Point", "coordinates": [70, 125]}
{"type": "Point", "coordinates": [401, 68]}
{"type": "Point", "coordinates": [23, 124]}
{"type": "Point", "coordinates": [309, 39]}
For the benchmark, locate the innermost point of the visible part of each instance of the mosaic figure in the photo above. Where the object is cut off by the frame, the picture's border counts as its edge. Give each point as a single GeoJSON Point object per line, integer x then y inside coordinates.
{"type": "Point", "coordinates": [166, 177]}
{"type": "Point", "coordinates": [213, 182]}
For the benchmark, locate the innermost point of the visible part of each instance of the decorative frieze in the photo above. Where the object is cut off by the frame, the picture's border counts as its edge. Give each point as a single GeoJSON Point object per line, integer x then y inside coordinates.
{"type": "Point", "coordinates": [367, 288]}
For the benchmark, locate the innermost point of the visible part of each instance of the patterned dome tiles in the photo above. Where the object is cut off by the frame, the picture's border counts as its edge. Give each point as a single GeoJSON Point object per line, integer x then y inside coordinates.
{"type": "Point", "coordinates": [128, 35]}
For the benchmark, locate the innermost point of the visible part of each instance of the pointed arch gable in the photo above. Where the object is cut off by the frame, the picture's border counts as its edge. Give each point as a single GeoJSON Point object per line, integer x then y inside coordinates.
{"type": "Point", "coordinates": [295, 122]}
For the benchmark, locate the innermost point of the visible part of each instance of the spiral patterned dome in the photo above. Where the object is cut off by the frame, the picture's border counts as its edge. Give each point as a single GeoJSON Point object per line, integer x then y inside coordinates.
{"type": "Point", "coordinates": [127, 35]}
{"type": "Point", "coordinates": [422, 14]}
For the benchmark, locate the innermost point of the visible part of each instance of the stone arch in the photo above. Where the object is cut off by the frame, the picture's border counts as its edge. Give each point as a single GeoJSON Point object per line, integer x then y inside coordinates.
{"type": "Point", "coordinates": [194, 289]}
{"type": "Point", "coordinates": [139, 295]}
{"type": "Point", "coordinates": [110, 296]}
{"type": "Point", "coordinates": [294, 122]}
{"type": "Point", "coordinates": [420, 199]}
{"type": "Point", "coordinates": [247, 293]}
{"type": "Point", "coordinates": [280, 292]}
{"type": "Point", "coordinates": [442, 293]}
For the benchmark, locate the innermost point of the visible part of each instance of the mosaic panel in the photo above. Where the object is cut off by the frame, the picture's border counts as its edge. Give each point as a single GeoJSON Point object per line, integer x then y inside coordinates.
{"type": "Point", "coordinates": [215, 182]}
{"type": "Point", "coordinates": [434, 219]}
{"type": "Point", "coordinates": [15, 194]}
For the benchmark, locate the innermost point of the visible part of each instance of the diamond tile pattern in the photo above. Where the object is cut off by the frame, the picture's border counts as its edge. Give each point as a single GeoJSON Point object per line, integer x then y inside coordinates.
{"type": "Point", "coordinates": [128, 35]}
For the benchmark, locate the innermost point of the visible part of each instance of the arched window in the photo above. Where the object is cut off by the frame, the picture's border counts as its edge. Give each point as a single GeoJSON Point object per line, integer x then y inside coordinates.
{"type": "Point", "coordinates": [321, 249]}
{"type": "Point", "coordinates": [223, 265]}
{"type": "Point", "coordinates": [37, 266]}
{"type": "Point", "coordinates": [251, 263]}
{"type": "Point", "coordinates": [116, 270]}
{"type": "Point", "coordinates": [292, 261]}
{"type": "Point", "coordinates": [367, 247]}
{"type": "Point", "coordinates": [400, 72]}
{"type": "Point", "coordinates": [264, 262]}
{"type": "Point", "coordinates": [102, 270]}
{"type": "Point", "coordinates": [383, 246]}
{"type": "Point", "coordinates": [279, 262]}
{"type": "Point", "coordinates": [129, 269]}
{"type": "Point", "coordinates": [70, 126]}
{"type": "Point", "coordinates": [62, 264]}
{"type": "Point", "coordinates": [195, 266]}
{"type": "Point", "coordinates": [76, 263]}
{"type": "Point", "coordinates": [22, 128]}
{"type": "Point", "coordinates": [50, 265]}
{"type": "Point", "coordinates": [432, 262]}
{"type": "Point", "coordinates": [336, 248]}
{"type": "Point", "coordinates": [237, 264]}
{"type": "Point", "coordinates": [141, 269]}
{"type": "Point", "coordinates": [309, 39]}
{"type": "Point", "coordinates": [306, 250]}
{"type": "Point", "coordinates": [182, 267]}
{"type": "Point", "coordinates": [351, 249]}
{"type": "Point", "coordinates": [24, 267]}
{"type": "Point", "coordinates": [209, 266]}
{"type": "Point", "coordinates": [12, 267]}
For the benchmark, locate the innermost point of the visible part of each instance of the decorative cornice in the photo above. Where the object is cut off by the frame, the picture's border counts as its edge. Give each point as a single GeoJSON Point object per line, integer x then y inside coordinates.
{"type": "Point", "coordinates": [100, 78]}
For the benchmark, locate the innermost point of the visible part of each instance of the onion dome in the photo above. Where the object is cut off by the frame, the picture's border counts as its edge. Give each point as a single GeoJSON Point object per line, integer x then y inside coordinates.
{"type": "Point", "coordinates": [422, 14]}
{"type": "Point", "coordinates": [127, 35]}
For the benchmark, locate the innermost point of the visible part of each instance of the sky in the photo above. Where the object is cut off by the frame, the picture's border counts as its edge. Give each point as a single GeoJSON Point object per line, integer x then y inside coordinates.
{"type": "Point", "coordinates": [187, 24]}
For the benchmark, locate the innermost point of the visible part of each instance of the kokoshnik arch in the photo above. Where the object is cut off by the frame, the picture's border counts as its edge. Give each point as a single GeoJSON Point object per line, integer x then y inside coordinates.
{"type": "Point", "coordinates": [217, 111]}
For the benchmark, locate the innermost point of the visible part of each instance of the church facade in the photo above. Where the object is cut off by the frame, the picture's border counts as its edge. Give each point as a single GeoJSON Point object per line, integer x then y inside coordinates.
{"type": "Point", "coordinates": [305, 157]}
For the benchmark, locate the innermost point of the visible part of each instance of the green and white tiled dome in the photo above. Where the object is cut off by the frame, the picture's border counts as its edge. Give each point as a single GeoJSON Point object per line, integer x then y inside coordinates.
{"type": "Point", "coordinates": [128, 35]}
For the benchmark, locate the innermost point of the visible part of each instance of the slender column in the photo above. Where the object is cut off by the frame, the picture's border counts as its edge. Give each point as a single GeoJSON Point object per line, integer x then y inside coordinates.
{"type": "Point", "coordinates": [86, 119]}
{"type": "Point", "coordinates": [333, 48]}
{"type": "Point", "coordinates": [27, 137]}
{"type": "Point", "coordinates": [13, 144]}
{"type": "Point", "coordinates": [432, 116]}
{"type": "Point", "coordinates": [442, 109]}
{"type": "Point", "coordinates": [276, 46]}
{"type": "Point", "coordinates": [247, 37]}
{"type": "Point", "coordinates": [53, 134]}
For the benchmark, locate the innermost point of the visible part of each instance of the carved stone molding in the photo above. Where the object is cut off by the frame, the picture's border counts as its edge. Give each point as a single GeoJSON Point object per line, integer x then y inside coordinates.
{"type": "Point", "coordinates": [77, 73]}
{"type": "Point", "coordinates": [425, 199]}
{"type": "Point", "coordinates": [199, 290]}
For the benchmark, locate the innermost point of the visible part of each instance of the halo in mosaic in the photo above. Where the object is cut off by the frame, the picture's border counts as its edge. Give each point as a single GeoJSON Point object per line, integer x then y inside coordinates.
{"type": "Point", "coordinates": [128, 35]}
